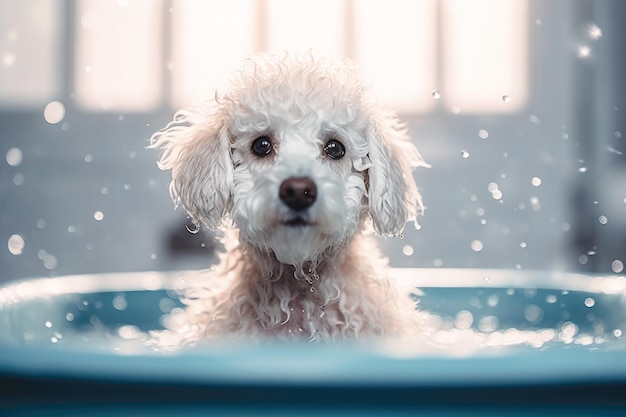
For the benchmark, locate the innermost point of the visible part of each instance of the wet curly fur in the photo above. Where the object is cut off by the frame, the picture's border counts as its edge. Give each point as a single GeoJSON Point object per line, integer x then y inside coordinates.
{"type": "Point", "coordinates": [297, 165]}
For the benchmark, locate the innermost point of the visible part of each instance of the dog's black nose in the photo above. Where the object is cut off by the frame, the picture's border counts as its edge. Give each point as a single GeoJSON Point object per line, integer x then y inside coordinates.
{"type": "Point", "coordinates": [298, 193]}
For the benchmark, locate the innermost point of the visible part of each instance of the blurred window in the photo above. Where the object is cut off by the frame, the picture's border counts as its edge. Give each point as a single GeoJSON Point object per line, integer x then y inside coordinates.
{"type": "Point", "coordinates": [118, 59]}
{"type": "Point", "coordinates": [138, 55]}
{"type": "Point", "coordinates": [30, 47]}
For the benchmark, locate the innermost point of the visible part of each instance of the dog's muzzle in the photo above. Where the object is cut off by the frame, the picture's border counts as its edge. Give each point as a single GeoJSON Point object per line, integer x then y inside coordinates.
{"type": "Point", "coordinates": [298, 193]}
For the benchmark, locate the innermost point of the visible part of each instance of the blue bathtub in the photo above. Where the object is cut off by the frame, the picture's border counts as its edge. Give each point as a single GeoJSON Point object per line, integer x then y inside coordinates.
{"type": "Point", "coordinates": [507, 343]}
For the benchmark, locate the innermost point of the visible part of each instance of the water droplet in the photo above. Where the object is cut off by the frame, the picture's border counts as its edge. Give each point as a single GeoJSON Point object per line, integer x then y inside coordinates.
{"type": "Point", "coordinates": [50, 262]}
{"type": "Point", "coordinates": [594, 32]}
{"type": "Point", "coordinates": [88, 158]}
{"type": "Point", "coordinates": [551, 299]}
{"type": "Point", "coordinates": [119, 302]}
{"type": "Point", "coordinates": [538, 22]}
{"type": "Point", "coordinates": [438, 262]}
{"type": "Point", "coordinates": [41, 224]}
{"type": "Point", "coordinates": [582, 169]}
{"type": "Point", "coordinates": [488, 324]}
{"type": "Point", "coordinates": [312, 289]}
{"type": "Point", "coordinates": [407, 250]}
{"type": "Point", "coordinates": [8, 59]}
{"type": "Point", "coordinates": [533, 313]}
{"type": "Point", "coordinates": [617, 333]}
{"type": "Point", "coordinates": [54, 112]}
{"type": "Point", "coordinates": [18, 179]}
{"type": "Point", "coordinates": [463, 320]}
{"type": "Point", "coordinates": [69, 317]}
{"type": "Point", "coordinates": [534, 119]}
{"type": "Point", "coordinates": [536, 181]}
{"type": "Point", "coordinates": [126, 187]}
{"type": "Point", "coordinates": [589, 302]}
{"type": "Point", "coordinates": [16, 244]}
{"type": "Point", "coordinates": [603, 219]}
{"type": "Point", "coordinates": [14, 157]}
{"type": "Point", "coordinates": [568, 330]}
{"type": "Point", "coordinates": [617, 266]}
{"type": "Point", "coordinates": [506, 98]}
{"type": "Point", "coordinates": [476, 245]}
{"type": "Point", "coordinates": [483, 134]}
{"type": "Point", "coordinates": [48, 324]}
{"type": "Point", "coordinates": [104, 191]}
{"type": "Point", "coordinates": [522, 244]}
{"type": "Point", "coordinates": [584, 51]}
{"type": "Point", "coordinates": [153, 256]}
{"type": "Point", "coordinates": [618, 134]}
{"type": "Point", "coordinates": [98, 215]}
{"type": "Point", "coordinates": [132, 155]}
{"type": "Point", "coordinates": [192, 228]}
{"type": "Point", "coordinates": [535, 203]}
{"type": "Point", "coordinates": [436, 95]}
{"type": "Point", "coordinates": [583, 259]}
{"type": "Point", "coordinates": [456, 109]}
{"type": "Point", "coordinates": [71, 228]}
{"type": "Point", "coordinates": [465, 154]}
{"type": "Point", "coordinates": [487, 279]}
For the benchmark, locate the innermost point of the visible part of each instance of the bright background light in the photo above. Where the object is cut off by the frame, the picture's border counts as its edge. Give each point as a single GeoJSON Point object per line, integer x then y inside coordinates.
{"type": "Point", "coordinates": [485, 55]}
{"type": "Point", "coordinates": [209, 39]}
{"type": "Point", "coordinates": [139, 55]}
{"type": "Point", "coordinates": [118, 62]}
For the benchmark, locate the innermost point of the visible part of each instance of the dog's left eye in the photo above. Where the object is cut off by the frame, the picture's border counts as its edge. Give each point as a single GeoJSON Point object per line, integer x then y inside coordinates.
{"type": "Point", "coordinates": [334, 149]}
{"type": "Point", "coordinates": [262, 146]}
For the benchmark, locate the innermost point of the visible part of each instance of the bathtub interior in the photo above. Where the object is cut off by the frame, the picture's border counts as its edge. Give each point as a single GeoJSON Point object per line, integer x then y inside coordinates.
{"type": "Point", "coordinates": [502, 337]}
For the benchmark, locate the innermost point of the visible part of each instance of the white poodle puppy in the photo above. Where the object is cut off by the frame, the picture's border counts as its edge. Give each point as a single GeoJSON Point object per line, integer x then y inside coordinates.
{"type": "Point", "coordinates": [295, 163]}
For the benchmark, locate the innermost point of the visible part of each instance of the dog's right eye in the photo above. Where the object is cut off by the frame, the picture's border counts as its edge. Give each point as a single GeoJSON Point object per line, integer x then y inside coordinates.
{"type": "Point", "coordinates": [262, 146]}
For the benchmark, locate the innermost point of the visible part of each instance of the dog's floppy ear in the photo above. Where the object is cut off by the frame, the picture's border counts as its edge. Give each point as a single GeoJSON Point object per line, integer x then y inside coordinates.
{"type": "Point", "coordinates": [196, 147]}
{"type": "Point", "coordinates": [392, 193]}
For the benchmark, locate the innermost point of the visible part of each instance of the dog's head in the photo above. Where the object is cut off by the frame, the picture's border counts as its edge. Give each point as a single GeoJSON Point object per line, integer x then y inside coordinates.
{"type": "Point", "coordinates": [296, 155]}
